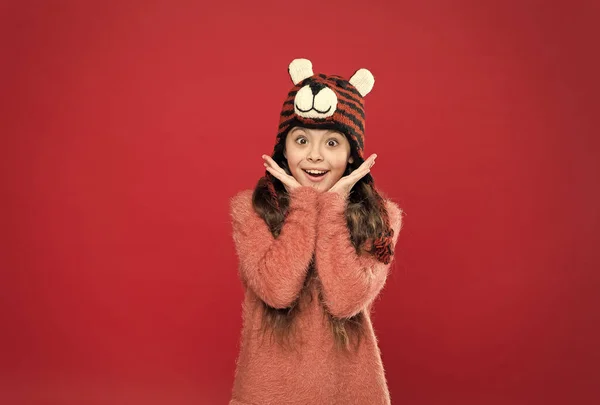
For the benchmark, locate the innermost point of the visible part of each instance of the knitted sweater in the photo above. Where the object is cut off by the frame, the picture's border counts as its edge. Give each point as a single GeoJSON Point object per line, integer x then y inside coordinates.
{"type": "Point", "coordinates": [274, 270]}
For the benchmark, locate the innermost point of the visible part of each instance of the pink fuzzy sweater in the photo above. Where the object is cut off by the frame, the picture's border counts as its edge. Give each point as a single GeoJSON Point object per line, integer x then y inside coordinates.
{"type": "Point", "coordinates": [273, 270]}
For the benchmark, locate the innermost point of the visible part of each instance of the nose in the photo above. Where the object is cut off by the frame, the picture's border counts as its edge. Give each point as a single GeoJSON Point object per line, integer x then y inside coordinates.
{"type": "Point", "coordinates": [314, 154]}
{"type": "Point", "coordinates": [316, 87]}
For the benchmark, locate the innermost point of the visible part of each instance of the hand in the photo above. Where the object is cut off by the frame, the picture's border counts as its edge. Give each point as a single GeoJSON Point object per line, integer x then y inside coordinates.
{"type": "Point", "coordinates": [288, 181]}
{"type": "Point", "coordinates": [345, 184]}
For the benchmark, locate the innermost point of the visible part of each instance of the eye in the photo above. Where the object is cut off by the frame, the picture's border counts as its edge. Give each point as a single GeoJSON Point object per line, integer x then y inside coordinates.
{"type": "Point", "coordinates": [300, 138]}
{"type": "Point", "coordinates": [333, 140]}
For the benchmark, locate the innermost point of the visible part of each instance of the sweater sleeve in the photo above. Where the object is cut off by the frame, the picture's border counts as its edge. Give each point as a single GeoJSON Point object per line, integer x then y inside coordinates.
{"type": "Point", "coordinates": [350, 282]}
{"type": "Point", "coordinates": [275, 268]}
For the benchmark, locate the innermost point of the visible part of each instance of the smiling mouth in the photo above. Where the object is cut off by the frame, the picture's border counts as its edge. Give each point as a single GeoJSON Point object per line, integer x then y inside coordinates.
{"type": "Point", "coordinates": [316, 177]}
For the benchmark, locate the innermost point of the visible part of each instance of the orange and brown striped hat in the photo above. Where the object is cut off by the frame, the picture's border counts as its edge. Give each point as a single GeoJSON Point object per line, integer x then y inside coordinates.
{"type": "Point", "coordinates": [326, 102]}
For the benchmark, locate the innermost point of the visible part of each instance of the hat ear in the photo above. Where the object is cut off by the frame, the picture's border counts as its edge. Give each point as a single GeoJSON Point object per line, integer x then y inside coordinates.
{"type": "Point", "coordinates": [363, 80]}
{"type": "Point", "coordinates": [300, 69]}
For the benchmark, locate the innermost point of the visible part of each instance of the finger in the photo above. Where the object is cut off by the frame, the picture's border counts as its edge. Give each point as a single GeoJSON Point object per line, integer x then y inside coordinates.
{"type": "Point", "coordinates": [358, 174]}
{"type": "Point", "coordinates": [270, 160]}
{"type": "Point", "coordinates": [275, 173]}
{"type": "Point", "coordinates": [274, 164]}
{"type": "Point", "coordinates": [367, 164]}
{"type": "Point", "coordinates": [371, 160]}
{"type": "Point", "coordinates": [351, 179]}
{"type": "Point", "coordinates": [363, 169]}
{"type": "Point", "coordinates": [283, 177]}
{"type": "Point", "coordinates": [269, 165]}
{"type": "Point", "coordinates": [276, 169]}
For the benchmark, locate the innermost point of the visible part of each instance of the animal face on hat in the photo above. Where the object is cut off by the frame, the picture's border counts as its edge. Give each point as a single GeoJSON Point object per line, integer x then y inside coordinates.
{"type": "Point", "coordinates": [326, 102]}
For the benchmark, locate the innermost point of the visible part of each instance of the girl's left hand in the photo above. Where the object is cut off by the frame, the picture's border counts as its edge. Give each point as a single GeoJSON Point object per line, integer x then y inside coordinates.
{"type": "Point", "coordinates": [345, 184]}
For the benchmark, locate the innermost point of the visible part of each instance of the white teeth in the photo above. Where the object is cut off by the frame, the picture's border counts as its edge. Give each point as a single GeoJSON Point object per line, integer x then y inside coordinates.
{"type": "Point", "coordinates": [315, 171]}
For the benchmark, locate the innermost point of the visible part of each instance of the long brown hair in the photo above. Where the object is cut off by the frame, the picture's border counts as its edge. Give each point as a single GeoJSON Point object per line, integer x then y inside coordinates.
{"type": "Point", "coordinates": [370, 232]}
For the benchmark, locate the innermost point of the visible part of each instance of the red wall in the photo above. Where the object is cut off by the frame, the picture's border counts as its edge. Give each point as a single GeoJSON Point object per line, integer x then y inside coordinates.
{"type": "Point", "coordinates": [127, 126]}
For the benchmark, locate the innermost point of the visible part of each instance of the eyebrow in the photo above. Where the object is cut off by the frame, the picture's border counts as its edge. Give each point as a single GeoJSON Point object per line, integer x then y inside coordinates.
{"type": "Point", "coordinates": [329, 131]}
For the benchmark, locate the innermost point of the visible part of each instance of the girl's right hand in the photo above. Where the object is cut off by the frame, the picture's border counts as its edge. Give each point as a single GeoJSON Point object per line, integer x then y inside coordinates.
{"type": "Point", "coordinates": [288, 181]}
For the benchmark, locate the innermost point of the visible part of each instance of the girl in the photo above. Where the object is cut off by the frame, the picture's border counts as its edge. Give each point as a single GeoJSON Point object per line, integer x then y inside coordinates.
{"type": "Point", "coordinates": [315, 241]}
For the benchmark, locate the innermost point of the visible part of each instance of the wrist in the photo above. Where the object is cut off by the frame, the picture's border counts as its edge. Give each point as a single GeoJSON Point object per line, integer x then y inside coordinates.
{"type": "Point", "coordinates": [333, 201]}
{"type": "Point", "coordinates": [303, 195]}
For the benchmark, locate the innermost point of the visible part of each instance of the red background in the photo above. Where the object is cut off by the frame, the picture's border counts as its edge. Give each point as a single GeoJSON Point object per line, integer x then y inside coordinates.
{"type": "Point", "coordinates": [127, 126]}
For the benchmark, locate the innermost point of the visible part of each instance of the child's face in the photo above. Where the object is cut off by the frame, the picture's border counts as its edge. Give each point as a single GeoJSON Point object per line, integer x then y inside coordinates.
{"type": "Point", "coordinates": [320, 149]}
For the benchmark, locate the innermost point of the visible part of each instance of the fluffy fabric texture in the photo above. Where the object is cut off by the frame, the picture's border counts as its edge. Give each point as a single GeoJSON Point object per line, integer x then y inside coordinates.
{"type": "Point", "coordinates": [273, 270]}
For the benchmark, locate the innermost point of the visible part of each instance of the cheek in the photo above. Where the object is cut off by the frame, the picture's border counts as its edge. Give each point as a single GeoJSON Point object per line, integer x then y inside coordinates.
{"type": "Point", "coordinates": [290, 154]}
{"type": "Point", "coordinates": [293, 160]}
{"type": "Point", "coordinates": [337, 170]}
{"type": "Point", "coordinates": [339, 165]}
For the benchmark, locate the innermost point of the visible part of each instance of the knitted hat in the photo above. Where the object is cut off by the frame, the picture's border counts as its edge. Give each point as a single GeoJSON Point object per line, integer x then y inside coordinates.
{"type": "Point", "coordinates": [322, 101]}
